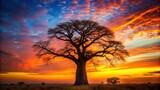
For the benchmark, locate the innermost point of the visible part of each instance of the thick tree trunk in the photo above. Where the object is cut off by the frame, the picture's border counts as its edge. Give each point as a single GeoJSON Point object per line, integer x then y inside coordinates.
{"type": "Point", "coordinates": [81, 76]}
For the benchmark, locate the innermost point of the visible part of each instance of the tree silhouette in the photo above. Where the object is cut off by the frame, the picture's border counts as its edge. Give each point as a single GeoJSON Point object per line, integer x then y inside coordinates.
{"type": "Point", "coordinates": [113, 80]}
{"type": "Point", "coordinates": [20, 83]}
{"type": "Point", "coordinates": [80, 36]}
{"type": "Point", "coordinates": [43, 83]}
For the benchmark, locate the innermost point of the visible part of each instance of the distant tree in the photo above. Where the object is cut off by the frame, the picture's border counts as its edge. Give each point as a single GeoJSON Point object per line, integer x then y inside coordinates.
{"type": "Point", "coordinates": [148, 82]}
{"type": "Point", "coordinates": [12, 84]}
{"type": "Point", "coordinates": [101, 82]}
{"type": "Point", "coordinates": [20, 83]}
{"type": "Point", "coordinates": [113, 80]}
{"type": "Point", "coordinates": [80, 36]}
{"type": "Point", "coordinates": [43, 83]}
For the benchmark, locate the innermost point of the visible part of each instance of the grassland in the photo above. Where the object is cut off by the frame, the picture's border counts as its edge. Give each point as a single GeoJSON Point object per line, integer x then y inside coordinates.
{"type": "Point", "coordinates": [89, 87]}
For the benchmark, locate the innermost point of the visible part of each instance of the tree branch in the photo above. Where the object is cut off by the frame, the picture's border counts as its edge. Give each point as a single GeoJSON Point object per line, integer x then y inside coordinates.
{"type": "Point", "coordinates": [52, 53]}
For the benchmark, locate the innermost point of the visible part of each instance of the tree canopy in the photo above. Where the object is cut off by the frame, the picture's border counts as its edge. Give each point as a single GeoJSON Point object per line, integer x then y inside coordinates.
{"type": "Point", "coordinates": [80, 37]}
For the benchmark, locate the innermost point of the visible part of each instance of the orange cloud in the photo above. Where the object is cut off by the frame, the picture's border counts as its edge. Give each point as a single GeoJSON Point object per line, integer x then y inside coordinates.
{"type": "Point", "coordinates": [141, 50]}
{"type": "Point", "coordinates": [78, 16]}
{"type": "Point", "coordinates": [136, 18]}
{"type": "Point", "coordinates": [86, 8]}
{"type": "Point", "coordinates": [68, 16]}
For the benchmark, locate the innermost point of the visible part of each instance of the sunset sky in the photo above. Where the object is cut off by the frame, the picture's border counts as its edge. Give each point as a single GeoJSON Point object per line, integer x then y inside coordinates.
{"type": "Point", "coordinates": [134, 22]}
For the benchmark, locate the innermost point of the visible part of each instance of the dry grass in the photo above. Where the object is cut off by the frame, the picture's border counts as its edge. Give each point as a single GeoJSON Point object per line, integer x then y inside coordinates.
{"type": "Point", "coordinates": [90, 87]}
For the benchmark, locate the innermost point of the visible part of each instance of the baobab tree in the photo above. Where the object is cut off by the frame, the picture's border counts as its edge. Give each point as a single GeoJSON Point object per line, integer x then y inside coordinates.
{"type": "Point", "coordinates": [80, 37]}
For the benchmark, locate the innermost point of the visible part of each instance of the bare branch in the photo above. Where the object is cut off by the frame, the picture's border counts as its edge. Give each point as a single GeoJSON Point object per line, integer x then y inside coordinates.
{"type": "Point", "coordinates": [79, 36]}
{"type": "Point", "coordinates": [44, 50]}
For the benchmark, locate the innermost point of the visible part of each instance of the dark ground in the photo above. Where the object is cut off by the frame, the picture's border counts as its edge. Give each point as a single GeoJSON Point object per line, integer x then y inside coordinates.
{"type": "Point", "coordinates": [90, 87]}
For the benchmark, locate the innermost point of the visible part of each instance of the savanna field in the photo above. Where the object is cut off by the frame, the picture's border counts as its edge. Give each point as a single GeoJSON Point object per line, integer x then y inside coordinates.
{"type": "Point", "coordinates": [79, 44]}
{"type": "Point", "coordinates": [89, 87]}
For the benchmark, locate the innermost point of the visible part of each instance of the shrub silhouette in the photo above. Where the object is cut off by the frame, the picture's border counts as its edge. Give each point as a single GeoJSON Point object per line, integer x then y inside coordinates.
{"type": "Point", "coordinates": [113, 80]}
{"type": "Point", "coordinates": [20, 83]}
{"type": "Point", "coordinates": [43, 83]}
